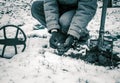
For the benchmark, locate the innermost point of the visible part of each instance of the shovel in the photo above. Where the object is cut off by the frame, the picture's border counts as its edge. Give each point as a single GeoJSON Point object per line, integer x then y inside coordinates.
{"type": "Point", "coordinates": [102, 48]}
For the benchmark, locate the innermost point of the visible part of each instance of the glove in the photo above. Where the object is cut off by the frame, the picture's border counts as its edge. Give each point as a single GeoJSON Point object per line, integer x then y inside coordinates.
{"type": "Point", "coordinates": [66, 46]}
{"type": "Point", "coordinates": [57, 37]}
{"type": "Point", "coordinates": [68, 43]}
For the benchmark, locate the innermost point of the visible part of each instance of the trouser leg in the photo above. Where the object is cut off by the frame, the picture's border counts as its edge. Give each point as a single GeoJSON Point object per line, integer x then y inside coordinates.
{"type": "Point", "coordinates": [37, 12]}
{"type": "Point", "coordinates": [65, 21]}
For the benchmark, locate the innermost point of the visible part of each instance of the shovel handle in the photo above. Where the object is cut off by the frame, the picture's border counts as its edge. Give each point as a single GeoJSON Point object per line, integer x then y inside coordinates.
{"type": "Point", "coordinates": [102, 24]}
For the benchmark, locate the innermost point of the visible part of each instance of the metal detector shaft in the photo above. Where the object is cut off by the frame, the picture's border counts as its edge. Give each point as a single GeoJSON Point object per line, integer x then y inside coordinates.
{"type": "Point", "coordinates": [102, 25]}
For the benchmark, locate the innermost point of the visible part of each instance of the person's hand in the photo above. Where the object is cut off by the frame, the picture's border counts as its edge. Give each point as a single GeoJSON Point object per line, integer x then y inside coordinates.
{"type": "Point", "coordinates": [57, 37]}
{"type": "Point", "coordinates": [68, 43]}
{"type": "Point", "coordinates": [62, 48]}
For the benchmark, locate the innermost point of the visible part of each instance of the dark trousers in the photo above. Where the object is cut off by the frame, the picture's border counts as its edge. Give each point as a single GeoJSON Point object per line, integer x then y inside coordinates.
{"type": "Point", "coordinates": [66, 14]}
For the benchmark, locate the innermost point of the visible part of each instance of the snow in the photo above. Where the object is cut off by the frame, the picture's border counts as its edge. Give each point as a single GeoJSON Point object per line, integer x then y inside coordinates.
{"type": "Point", "coordinates": [34, 67]}
{"type": "Point", "coordinates": [39, 64]}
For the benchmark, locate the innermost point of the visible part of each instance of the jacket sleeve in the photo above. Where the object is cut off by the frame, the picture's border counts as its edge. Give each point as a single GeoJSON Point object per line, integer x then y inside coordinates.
{"type": "Point", "coordinates": [51, 14]}
{"type": "Point", "coordinates": [84, 13]}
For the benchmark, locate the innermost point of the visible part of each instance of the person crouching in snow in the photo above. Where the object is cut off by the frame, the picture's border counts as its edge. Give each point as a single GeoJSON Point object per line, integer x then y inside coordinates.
{"type": "Point", "coordinates": [66, 20]}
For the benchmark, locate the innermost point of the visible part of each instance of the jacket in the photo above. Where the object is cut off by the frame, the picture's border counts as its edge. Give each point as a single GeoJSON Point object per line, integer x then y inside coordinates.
{"type": "Point", "coordinates": [85, 11]}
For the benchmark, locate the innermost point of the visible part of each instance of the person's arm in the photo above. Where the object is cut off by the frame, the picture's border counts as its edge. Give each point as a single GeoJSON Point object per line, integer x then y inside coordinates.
{"type": "Point", "coordinates": [84, 13]}
{"type": "Point", "coordinates": [51, 14]}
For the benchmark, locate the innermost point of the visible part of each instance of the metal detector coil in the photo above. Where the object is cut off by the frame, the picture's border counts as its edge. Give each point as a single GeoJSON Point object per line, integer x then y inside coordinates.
{"type": "Point", "coordinates": [14, 41]}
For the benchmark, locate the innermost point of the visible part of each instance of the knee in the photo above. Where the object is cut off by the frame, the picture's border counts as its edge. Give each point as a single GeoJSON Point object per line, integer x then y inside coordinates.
{"type": "Point", "coordinates": [64, 22]}
{"type": "Point", "coordinates": [66, 18]}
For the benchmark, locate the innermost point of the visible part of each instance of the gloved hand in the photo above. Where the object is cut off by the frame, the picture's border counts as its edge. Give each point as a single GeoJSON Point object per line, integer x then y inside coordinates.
{"type": "Point", "coordinates": [57, 37]}
{"type": "Point", "coordinates": [66, 46]}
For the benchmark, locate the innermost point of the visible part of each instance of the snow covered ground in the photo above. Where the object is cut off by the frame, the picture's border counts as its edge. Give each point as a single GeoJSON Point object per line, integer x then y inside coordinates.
{"type": "Point", "coordinates": [38, 63]}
